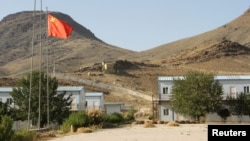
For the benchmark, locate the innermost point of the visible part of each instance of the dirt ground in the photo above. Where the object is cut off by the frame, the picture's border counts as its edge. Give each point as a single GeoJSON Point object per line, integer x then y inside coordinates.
{"type": "Point", "coordinates": [161, 132]}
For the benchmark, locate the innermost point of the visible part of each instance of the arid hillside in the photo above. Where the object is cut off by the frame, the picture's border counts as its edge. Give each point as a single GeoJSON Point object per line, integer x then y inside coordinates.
{"type": "Point", "coordinates": [224, 50]}
{"type": "Point", "coordinates": [82, 48]}
{"type": "Point", "coordinates": [236, 31]}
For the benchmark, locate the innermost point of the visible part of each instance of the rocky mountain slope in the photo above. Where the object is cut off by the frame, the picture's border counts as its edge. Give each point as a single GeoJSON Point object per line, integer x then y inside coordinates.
{"type": "Point", "coordinates": [235, 31]}
{"type": "Point", "coordinates": [224, 50]}
{"type": "Point", "coordinates": [82, 48]}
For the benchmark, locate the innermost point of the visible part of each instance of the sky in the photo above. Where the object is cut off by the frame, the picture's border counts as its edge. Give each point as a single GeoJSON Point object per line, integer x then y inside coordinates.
{"type": "Point", "coordinates": [139, 25]}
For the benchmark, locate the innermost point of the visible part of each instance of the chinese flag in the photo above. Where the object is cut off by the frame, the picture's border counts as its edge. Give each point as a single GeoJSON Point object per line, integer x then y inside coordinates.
{"type": "Point", "coordinates": [58, 28]}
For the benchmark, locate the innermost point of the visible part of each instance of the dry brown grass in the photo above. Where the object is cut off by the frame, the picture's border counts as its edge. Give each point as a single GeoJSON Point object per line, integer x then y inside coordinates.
{"type": "Point", "coordinates": [148, 124]}
{"type": "Point", "coordinates": [173, 123]}
{"type": "Point", "coordinates": [84, 130]}
{"type": "Point", "coordinates": [48, 134]}
{"type": "Point", "coordinates": [160, 122]}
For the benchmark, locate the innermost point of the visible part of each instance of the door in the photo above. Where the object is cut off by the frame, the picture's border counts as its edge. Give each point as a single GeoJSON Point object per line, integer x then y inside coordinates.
{"type": "Point", "coordinates": [233, 92]}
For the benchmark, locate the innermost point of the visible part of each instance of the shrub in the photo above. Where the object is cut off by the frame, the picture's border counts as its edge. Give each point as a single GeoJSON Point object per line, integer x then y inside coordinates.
{"type": "Point", "coordinates": [114, 118]}
{"type": "Point", "coordinates": [24, 135]}
{"type": "Point", "coordinates": [77, 119]}
{"type": "Point", "coordinates": [224, 114]}
{"type": "Point", "coordinates": [106, 125]}
{"type": "Point", "coordinates": [150, 117]}
{"type": "Point", "coordinates": [6, 131]}
{"type": "Point", "coordinates": [129, 116]}
{"type": "Point", "coordinates": [95, 117]}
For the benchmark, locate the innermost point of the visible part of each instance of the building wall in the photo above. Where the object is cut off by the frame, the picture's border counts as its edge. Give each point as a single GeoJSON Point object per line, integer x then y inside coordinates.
{"type": "Point", "coordinates": [4, 97]}
{"type": "Point", "coordinates": [228, 86]}
{"type": "Point", "coordinates": [239, 85]}
{"type": "Point", "coordinates": [112, 108]}
{"type": "Point", "coordinates": [165, 84]}
{"type": "Point", "coordinates": [78, 95]}
{"type": "Point", "coordinates": [213, 117]}
{"type": "Point", "coordinates": [95, 101]}
{"type": "Point", "coordinates": [167, 113]}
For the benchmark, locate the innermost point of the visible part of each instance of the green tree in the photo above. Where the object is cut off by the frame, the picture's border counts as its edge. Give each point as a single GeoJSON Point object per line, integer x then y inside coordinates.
{"type": "Point", "coordinates": [239, 105]}
{"type": "Point", "coordinates": [58, 103]}
{"type": "Point", "coordinates": [196, 94]}
{"type": "Point", "coordinates": [224, 113]}
{"type": "Point", "coordinates": [6, 131]}
{"type": "Point", "coordinates": [4, 109]}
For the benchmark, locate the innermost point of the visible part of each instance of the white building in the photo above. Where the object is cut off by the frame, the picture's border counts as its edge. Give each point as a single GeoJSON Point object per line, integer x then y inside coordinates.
{"type": "Point", "coordinates": [5, 95]}
{"type": "Point", "coordinates": [95, 100]}
{"type": "Point", "coordinates": [113, 107]}
{"type": "Point", "coordinates": [232, 86]}
{"type": "Point", "coordinates": [78, 95]}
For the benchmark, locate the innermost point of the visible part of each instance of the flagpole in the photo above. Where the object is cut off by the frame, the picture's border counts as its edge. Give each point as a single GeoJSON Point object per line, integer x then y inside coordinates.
{"type": "Point", "coordinates": [31, 65]}
{"type": "Point", "coordinates": [47, 73]}
{"type": "Point", "coordinates": [40, 69]}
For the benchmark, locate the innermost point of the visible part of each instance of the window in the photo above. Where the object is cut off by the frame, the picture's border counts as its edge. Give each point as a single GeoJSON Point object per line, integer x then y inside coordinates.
{"type": "Point", "coordinates": [165, 90]}
{"type": "Point", "coordinates": [165, 112]}
{"type": "Point", "coordinates": [246, 89]}
{"type": "Point", "coordinates": [9, 101]}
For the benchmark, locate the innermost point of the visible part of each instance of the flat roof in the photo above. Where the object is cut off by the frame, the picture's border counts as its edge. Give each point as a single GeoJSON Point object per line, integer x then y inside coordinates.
{"type": "Point", "coordinates": [60, 88]}
{"type": "Point", "coordinates": [96, 94]}
{"type": "Point", "coordinates": [113, 103]}
{"type": "Point", "coordinates": [217, 77]}
{"type": "Point", "coordinates": [70, 88]}
{"type": "Point", "coordinates": [6, 89]}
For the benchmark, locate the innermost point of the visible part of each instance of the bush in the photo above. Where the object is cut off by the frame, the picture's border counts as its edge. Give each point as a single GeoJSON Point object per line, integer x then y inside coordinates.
{"type": "Point", "coordinates": [106, 125]}
{"type": "Point", "coordinates": [129, 116]}
{"type": "Point", "coordinates": [224, 114]}
{"type": "Point", "coordinates": [150, 117]}
{"type": "Point", "coordinates": [114, 118]}
{"type": "Point", "coordinates": [24, 135]}
{"type": "Point", "coordinates": [78, 119]}
{"type": "Point", "coordinates": [95, 117]}
{"type": "Point", "coordinates": [6, 131]}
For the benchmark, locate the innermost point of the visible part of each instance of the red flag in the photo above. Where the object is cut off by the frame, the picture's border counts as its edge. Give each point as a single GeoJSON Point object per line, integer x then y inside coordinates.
{"type": "Point", "coordinates": [58, 28]}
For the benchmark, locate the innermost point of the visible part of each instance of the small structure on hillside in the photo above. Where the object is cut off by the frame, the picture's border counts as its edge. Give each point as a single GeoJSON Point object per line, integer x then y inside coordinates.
{"type": "Point", "coordinates": [108, 67]}
{"type": "Point", "coordinates": [118, 66]}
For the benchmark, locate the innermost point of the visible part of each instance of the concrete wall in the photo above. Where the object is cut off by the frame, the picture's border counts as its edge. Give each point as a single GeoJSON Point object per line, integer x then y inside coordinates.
{"type": "Point", "coordinates": [112, 108]}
